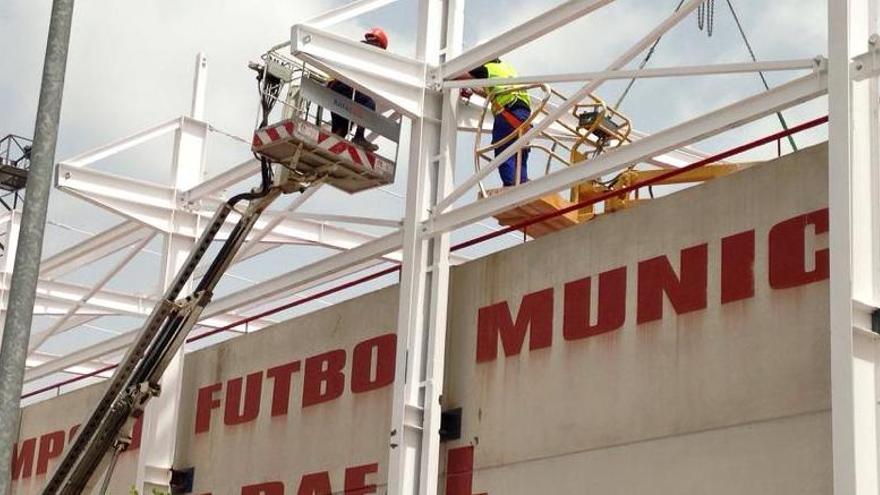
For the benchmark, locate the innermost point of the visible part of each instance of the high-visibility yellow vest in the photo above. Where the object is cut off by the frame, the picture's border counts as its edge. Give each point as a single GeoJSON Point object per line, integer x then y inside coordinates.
{"type": "Point", "coordinates": [504, 70]}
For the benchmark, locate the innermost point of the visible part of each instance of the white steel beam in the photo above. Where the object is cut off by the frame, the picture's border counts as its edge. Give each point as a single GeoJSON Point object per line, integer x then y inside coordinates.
{"type": "Point", "coordinates": [155, 205]}
{"type": "Point", "coordinates": [840, 238]}
{"type": "Point", "coordinates": [318, 273]}
{"type": "Point", "coordinates": [92, 249]}
{"type": "Point", "coordinates": [854, 239]}
{"type": "Point", "coordinates": [37, 339]}
{"type": "Point", "coordinates": [57, 297]}
{"type": "Point", "coordinates": [254, 241]}
{"type": "Point", "coordinates": [679, 71]}
{"type": "Point", "coordinates": [734, 115]}
{"type": "Point", "coordinates": [518, 36]}
{"type": "Point", "coordinates": [123, 144]}
{"type": "Point", "coordinates": [256, 251]}
{"type": "Point", "coordinates": [41, 358]}
{"type": "Point", "coordinates": [413, 456]}
{"type": "Point", "coordinates": [188, 166]}
{"type": "Point", "coordinates": [71, 323]}
{"type": "Point", "coordinates": [563, 109]}
{"type": "Point", "coordinates": [346, 12]}
{"type": "Point", "coordinates": [52, 307]}
{"type": "Point", "coordinates": [80, 357]}
{"type": "Point", "coordinates": [396, 80]}
{"type": "Point", "coordinates": [327, 217]}
{"type": "Point", "coordinates": [221, 181]}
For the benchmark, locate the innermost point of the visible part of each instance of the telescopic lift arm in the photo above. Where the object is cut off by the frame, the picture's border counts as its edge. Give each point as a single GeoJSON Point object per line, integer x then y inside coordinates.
{"type": "Point", "coordinates": [108, 430]}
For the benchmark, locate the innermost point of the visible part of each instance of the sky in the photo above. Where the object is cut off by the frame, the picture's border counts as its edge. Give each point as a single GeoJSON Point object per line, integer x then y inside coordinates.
{"type": "Point", "coordinates": [131, 65]}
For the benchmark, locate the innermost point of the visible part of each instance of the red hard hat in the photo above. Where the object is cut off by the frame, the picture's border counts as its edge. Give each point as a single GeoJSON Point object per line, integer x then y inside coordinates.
{"type": "Point", "coordinates": [377, 35]}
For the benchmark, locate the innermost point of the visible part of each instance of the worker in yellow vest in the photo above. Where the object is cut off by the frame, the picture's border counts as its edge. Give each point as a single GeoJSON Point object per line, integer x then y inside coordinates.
{"type": "Point", "coordinates": [511, 107]}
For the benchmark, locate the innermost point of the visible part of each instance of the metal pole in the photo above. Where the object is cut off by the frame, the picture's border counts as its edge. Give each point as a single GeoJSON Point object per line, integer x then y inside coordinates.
{"type": "Point", "coordinates": [13, 351]}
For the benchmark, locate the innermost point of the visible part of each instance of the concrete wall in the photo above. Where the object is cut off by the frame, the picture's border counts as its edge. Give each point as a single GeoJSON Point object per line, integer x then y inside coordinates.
{"type": "Point", "coordinates": [327, 420]}
{"type": "Point", "coordinates": [47, 428]}
{"type": "Point", "coordinates": [730, 398]}
{"type": "Point", "coordinates": [694, 360]}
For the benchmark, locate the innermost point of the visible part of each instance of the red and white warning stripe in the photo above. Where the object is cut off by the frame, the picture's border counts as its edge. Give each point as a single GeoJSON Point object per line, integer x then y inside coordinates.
{"type": "Point", "coordinates": [272, 134]}
{"type": "Point", "coordinates": [326, 141]}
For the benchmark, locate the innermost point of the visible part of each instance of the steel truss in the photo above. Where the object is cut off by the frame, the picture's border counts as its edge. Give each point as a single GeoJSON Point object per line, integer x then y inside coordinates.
{"type": "Point", "coordinates": [424, 90]}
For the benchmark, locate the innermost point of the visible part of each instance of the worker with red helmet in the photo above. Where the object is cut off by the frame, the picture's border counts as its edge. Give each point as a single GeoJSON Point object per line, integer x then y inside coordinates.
{"type": "Point", "coordinates": [341, 125]}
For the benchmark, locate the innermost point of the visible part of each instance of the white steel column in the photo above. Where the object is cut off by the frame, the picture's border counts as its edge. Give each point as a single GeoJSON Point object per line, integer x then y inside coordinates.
{"type": "Point", "coordinates": [188, 170]}
{"type": "Point", "coordinates": [415, 424]}
{"type": "Point", "coordinates": [853, 176]}
{"type": "Point", "coordinates": [10, 242]}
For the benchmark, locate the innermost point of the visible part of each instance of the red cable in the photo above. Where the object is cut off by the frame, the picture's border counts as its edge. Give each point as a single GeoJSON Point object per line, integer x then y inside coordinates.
{"type": "Point", "coordinates": [462, 245]}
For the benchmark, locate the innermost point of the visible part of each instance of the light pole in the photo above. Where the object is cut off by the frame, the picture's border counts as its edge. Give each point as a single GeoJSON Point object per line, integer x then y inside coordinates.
{"type": "Point", "coordinates": [19, 312]}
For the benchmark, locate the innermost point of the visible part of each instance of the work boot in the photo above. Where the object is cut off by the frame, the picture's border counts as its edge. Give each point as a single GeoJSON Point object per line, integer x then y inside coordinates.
{"type": "Point", "coordinates": [363, 143]}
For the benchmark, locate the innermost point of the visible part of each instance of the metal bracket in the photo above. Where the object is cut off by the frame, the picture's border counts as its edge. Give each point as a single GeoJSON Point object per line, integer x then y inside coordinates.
{"type": "Point", "coordinates": [182, 480]}
{"type": "Point", "coordinates": [450, 425]}
{"type": "Point", "coordinates": [867, 65]}
{"type": "Point", "coordinates": [434, 79]}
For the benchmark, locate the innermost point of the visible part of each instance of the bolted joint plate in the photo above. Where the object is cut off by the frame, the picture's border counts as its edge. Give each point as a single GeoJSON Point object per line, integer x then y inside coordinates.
{"type": "Point", "coordinates": [867, 65]}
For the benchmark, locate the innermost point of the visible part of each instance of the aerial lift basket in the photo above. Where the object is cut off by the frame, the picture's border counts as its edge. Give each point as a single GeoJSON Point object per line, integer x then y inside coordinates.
{"type": "Point", "coordinates": [590, 129]}
{"type": "Point", "coordinates": [303, 140]}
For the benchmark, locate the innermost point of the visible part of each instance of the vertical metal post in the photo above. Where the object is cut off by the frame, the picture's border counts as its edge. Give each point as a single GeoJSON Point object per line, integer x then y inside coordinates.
{"type": "Point", "coordinates": [415, 436]}
{"type": "Point", "coordinates": [13, 350]}
{"type": "Point", "coordinates": [156, 454]}
{"type": "Point", "coordinates": [853, 177]}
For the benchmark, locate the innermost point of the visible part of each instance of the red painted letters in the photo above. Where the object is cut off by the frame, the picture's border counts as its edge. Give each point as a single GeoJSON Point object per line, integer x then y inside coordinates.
{"type": "Point", "coordinates": [319, 483]}
{"type": "Point", "coordinates": [460, 471]}
{"type": "Point", "coordinates": [788, 267]}
{"type": "Point", "coordinates": [33, 456]}
{"type": "Point", "coordinates": [237, 413]}
{"type": "Point", "coordinates": [273, 488]}
{"type": "Point", "coordinates": [611, 312]}
{"type": "Point", "coordinates": [495, 323]}
{"type": "Point", "coordinates": [315, 484]}
{"type": "Point", "coordinates": [686, 292]}
{"type": "Point", "coordinates": [356, 479]}
{"type": "Point", "coordinates": [281, 393]}
{"type": "Point", "coordinates": [324, 380]}
{"type": "Point", "coordinates": [205, 402]}
{"type": "Point", "coordinates": [51, 446]}
{"type": "Point", "coordinates": [362, 377]}
{"type": "Point", "coordinates": [23, 459]}
{"type": "Point", "coordinates": [738, 267]}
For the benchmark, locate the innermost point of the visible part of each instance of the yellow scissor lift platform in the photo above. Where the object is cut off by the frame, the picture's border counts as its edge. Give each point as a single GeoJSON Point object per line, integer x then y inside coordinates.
{"type": "Point", "coordinates": [591, 129]}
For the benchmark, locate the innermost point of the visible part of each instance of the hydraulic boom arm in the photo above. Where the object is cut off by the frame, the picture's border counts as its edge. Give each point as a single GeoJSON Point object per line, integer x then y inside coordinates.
{"type": "Point", "coordinates": [108, 430]}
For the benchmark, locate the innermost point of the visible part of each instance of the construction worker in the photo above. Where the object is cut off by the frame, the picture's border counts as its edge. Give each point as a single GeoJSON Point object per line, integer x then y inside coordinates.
{"type": "Point", "coordinates": [339, 124]}
{"type": "Point", "coordinates": [511, 108]}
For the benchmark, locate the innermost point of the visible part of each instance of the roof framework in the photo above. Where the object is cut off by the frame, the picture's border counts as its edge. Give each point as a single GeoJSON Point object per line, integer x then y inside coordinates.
{"type": "Point", "coordinates": [423, 89]}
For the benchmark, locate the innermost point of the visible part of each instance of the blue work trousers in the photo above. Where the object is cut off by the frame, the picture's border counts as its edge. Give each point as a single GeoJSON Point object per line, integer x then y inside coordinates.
{"type": "Point", "coordinates": [500, 130]}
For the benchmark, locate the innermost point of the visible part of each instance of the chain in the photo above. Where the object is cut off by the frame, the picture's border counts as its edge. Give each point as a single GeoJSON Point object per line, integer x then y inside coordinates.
{"type": "Point", "coordinates": [642, 65]}
{"type": "Point", "coordinates": [706, 17]}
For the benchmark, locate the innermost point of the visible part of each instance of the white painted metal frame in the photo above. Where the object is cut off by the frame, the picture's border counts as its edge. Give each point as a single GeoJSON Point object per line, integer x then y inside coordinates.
{"type": "Point", "coordinates": [423, 90]}
{"type": "Point", "coordinates": [854, 185]}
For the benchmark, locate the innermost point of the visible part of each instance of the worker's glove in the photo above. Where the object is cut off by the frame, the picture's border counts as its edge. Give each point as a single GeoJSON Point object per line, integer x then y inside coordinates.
{"type": "Point", "coordinates": [466, 93]}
